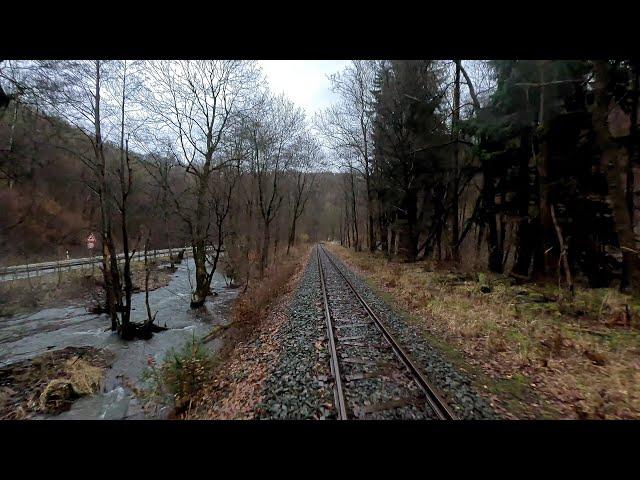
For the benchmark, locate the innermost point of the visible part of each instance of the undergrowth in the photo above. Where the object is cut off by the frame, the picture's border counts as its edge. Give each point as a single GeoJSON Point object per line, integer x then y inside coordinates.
{"type": "Point", "coordinates": [177, 378]}
{"type": "Point", "coordinates": [538, 353]}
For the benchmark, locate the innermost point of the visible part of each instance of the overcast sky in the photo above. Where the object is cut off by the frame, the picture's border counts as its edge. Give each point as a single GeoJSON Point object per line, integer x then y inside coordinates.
{"type": "Point", "coordinates": [303, 81]}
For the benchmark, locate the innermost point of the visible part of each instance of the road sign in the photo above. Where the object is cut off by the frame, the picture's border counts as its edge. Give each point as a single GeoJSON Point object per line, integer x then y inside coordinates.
{"type": "Point", "coordinates": [91, 241]}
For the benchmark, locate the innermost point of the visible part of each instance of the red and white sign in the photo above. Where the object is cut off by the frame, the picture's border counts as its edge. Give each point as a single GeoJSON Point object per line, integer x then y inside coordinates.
{"type": "Point", "coordinates": [91, 241]}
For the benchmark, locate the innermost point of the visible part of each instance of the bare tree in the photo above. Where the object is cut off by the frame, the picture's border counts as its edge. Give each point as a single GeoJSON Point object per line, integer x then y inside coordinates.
{"type": "Point", "coordinates": [272, 132]}
{"type": "Point", "coordinates": [126, 85]}
{"type": "Point", "coordinates": [73, 90]}
{"type": "Point", "coordinates": [308, 156]}
{"type": "Point", "coordinates": [195, 102]}
{"type": "Point", "coordinates": [347, 126]}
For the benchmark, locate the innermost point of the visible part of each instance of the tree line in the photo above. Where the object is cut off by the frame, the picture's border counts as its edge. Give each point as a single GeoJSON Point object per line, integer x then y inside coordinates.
{"type": "Point", "coordinates": [200, 152]}
{"type": "Point", "coordinates": [525, 167]}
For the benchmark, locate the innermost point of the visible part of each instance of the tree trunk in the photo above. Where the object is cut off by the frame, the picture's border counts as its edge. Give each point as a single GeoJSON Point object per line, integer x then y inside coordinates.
{"type": "Point", "coordinates": [199, 240]}
{"type": "Point", "coordinates": [107, 275]}
{"type": "Point", "coordinates": [384, 233]}
{"type": "Point", "coordinates": [356, 238]}
{"type": "Point", "coordinates": [564, 254]}
{"type": "Point", "coordinates": [110, 272]}
{"type": "Point", "coordinates": [455, 227]}
{"type": "Point", "coordinates": [200, 259]}
{"type": "Point", "coordinates": [371, 234]}
{"type": "Point", "coordinates": [12, 136]}
{"type": "Point", "coordinates": [527, 233]}
{"type": "Point", "coordinates": [632, 144]}
{"type": "Point", "coordinates": [292, 234]}
{"type": "Point", "coordinates": [128, 285]}
{"type": "Point", "coordinates": [165, 218]}
{"type": "Point", "coordinates": [266, 240]}
{"type": "Point", "coordinates": [493, 243]}
{"type": "Point", "coordinates": [549, 246]}
{"type": "Point", "coordinates": [125, 186]}
{"type": "Point", "coordinates": [613, 163]}
{"type": "Point", "coordinates": [150, 317]}
{"type": "Point", "coordinates": [201, 291]}
{"type": "Point", "coordinates": [407, 231]}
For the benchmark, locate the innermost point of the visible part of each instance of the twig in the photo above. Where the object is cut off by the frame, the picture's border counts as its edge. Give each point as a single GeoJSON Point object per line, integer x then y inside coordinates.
{"type": "Point", "coordinates": [563, 254]}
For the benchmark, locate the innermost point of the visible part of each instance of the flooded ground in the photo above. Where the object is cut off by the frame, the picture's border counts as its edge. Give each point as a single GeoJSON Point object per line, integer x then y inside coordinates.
{"type": "Point", "coordinates": [26, 336]}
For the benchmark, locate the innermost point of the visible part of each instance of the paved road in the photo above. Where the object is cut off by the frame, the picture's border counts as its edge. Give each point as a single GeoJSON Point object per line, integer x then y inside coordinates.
{"type": "Point", "coordinates": [46, 268]}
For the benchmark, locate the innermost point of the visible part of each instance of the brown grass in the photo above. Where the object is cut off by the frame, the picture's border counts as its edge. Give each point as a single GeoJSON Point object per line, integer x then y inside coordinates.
{"type": "Point", "coordinates": [536, 354]}
{"type": "Point", "coordinates": [234, 386]}
{"type": "Point", "coordinates": [31, 386]}
{"type": "Point", "coordinates": [253, 304]}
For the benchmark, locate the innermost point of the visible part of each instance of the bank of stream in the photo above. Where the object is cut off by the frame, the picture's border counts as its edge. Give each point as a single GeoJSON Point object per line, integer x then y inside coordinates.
{"type": "Point", "coordinates": [24, 337]}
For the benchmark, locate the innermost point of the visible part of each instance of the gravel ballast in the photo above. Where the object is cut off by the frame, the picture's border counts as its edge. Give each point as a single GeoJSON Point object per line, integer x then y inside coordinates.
{"type": "Point", "coordinates": [376, 383]}
{"type": "Point", "coordinates": [457, 389]}
{"type": "Point", "coordinates": [300, 385]}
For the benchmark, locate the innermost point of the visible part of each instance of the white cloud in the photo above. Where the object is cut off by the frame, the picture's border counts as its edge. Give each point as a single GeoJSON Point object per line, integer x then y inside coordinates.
{"type": "Point", "coordinates": [305, 82]}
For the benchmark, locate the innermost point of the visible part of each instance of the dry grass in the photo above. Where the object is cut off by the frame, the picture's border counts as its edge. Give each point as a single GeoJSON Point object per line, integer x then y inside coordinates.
{"type": "Point", "coordinates": [84, 377]}
{"type": "Point", "coordinates": [253, 304]}
{"type": "Point", "coordinates": [49, 383]}
{"type": "Point", "coordinates": [234, 387]}
{"type": "Point", "coordinates": [78, 378]}
{"type": "Point", "coordinates": [536, 354]}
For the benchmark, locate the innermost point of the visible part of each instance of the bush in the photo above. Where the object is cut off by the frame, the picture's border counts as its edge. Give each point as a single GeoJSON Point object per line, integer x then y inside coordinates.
{"type": "Point", "coordinates": [251, 306]}
{"type": "Point", "coordinates": [181, 374]}
{"type": "Point", "coordinates": [185, 371]}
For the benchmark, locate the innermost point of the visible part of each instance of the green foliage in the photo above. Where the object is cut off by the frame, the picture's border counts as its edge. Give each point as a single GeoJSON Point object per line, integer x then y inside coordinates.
{"type": "Point", "coordinates": [180, 375]}
{"type": "Point", "coordinates": [185, 370]}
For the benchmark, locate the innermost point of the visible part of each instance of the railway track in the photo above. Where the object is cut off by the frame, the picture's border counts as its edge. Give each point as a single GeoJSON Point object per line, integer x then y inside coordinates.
{"type": "Point", "coordinates": [373, 376]}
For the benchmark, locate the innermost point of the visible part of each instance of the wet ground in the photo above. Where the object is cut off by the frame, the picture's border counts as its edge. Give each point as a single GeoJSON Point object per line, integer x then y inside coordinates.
{"type": "Point", "coordinates": [26, 336]}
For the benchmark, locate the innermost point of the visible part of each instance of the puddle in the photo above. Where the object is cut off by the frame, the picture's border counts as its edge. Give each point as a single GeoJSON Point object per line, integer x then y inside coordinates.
{"type": "Point", "coordinates": [26, 336]}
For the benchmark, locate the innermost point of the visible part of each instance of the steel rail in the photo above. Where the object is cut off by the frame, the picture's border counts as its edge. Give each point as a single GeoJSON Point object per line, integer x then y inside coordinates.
{"type": "Point", "coordinates": [434, 399]}
{"type": "Point", "coordinates": [335, 367]}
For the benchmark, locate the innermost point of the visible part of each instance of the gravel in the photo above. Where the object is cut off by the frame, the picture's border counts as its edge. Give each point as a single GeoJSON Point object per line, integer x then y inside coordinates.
{"type": "Point", "coordinates": [300, 386]}
{"type": "Point", "coordinates": [457, 389]}
{"type": "Point", "coordinates": [373, 375]}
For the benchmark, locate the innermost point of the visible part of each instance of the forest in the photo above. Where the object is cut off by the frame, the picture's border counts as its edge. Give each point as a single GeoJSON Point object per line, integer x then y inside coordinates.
{"type": "Point", "coordinates": [519, 167]}
{"type": "Point", "coordinates": [494, 201]}
{"type": "Point", "coordinates": [158, 155]}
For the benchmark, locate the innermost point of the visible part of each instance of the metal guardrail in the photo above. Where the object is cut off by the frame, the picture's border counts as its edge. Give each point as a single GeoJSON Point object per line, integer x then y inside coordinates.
{"type": "Point", "coordinates": [34, 267]}
{"type": "Point", "coordinates": [22, 271]}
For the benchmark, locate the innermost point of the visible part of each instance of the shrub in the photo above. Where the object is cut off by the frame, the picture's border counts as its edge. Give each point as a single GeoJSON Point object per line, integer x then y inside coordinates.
{"type": "Point", "coordinates": [180, 375]}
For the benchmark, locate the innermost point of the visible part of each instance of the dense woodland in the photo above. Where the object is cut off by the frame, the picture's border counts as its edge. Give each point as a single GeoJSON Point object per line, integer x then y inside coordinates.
{"type": "Point", "coordinates": [525, 168]}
